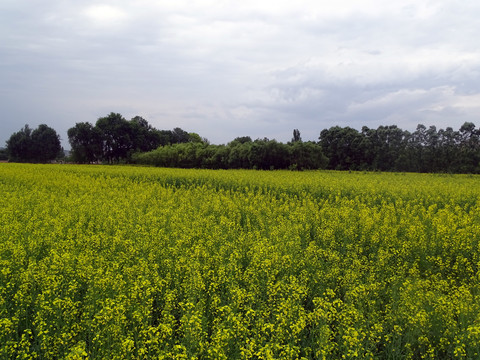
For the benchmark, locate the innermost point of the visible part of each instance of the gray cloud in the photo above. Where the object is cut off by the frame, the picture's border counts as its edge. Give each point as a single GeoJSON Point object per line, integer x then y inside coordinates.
{"type": "Point", "coordinates": [226, 69]}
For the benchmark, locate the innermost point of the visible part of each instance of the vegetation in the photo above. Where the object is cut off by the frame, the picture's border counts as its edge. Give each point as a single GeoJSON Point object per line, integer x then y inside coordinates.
{"type": "Point", "coordinates": [242, 153]}
{"type": "Point", "coordinates": [39, 145]}
{"type": "Point", "coordinates": [113, 140]}
{"type": "Point", "coordinates": [134, 263]}
{"type": "Point", "coordinates": [389, 148]}
{"type": "Point", "coordinates": [3, 154]}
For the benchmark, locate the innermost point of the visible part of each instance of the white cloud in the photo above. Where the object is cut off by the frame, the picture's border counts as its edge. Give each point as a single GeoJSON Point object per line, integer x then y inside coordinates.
{"type": "Point", "coordinates": [105, 15]}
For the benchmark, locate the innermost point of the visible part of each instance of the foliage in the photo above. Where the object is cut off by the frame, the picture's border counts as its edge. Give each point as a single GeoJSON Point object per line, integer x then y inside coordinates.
{"type": "Point", "coordinates": [241, 153]}
{"type": "Point", "coordinates": [388, 148]}
{"type": "Point", "coordinates": [296, 136]}
{"type": "Point", "coordinates": [113, 139]}
{"type": "Point", "coordinates": [342, 146]}
{"type": "Point", "coordinates": [39, 145]}
{"type": "Point", "coordinates": [3, 154]}
{"type": "Point", "coordinates": [134, 263]}
{"type": "Point", "coordinates": [86, 143]}
{"type": "Point", "coordinates": [116, 138]}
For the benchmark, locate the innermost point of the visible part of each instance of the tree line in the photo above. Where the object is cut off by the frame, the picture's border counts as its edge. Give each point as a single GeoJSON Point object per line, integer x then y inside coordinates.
{"type": "Point", "coordinates": [113, 139]}
{"type": "Point", "coordinates": [389, 148]}
{"type": "Point", "coordinates": [241, 153]}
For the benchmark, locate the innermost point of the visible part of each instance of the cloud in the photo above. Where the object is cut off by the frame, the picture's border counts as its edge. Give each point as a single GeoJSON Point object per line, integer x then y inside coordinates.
{"type": "Point", "coordinates": [105, 14]}
{"type": "Point", "coordinates": [229, 68]}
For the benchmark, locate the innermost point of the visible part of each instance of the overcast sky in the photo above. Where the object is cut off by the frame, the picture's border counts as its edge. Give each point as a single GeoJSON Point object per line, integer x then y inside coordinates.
{"type": "Point", "coordinates": [234, 68]}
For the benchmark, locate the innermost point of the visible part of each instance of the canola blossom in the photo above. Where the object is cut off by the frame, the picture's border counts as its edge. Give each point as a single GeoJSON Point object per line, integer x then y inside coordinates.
{"type": "Point", "coordinates": [116, 262]}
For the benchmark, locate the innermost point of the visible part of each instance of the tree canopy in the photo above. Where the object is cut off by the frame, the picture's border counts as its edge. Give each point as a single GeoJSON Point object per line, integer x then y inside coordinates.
{"type": "Point", "coordinates": [113, 138]}
{"type": "Point", "coordinates": [389, 148]}
{"type": "Point", "coordinates": [241, 153]}
{"type": "Point", "coordinates": [3, 154]}
{"type": "Point", "coordinates": [40, 145]}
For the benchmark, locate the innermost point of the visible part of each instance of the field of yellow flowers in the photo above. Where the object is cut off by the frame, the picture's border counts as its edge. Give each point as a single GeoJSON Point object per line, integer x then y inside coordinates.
{"type": "Point", "coordinates": [105, 262]}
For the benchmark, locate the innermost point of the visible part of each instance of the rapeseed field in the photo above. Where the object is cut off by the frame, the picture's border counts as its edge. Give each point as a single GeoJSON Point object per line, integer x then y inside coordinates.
{"type": "Point", "coordinates": [105, 262]}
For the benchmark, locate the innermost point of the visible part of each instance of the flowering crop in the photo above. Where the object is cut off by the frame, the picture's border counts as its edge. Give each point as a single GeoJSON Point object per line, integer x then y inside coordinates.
{"type": "Point", "coordinates": [135, 263]}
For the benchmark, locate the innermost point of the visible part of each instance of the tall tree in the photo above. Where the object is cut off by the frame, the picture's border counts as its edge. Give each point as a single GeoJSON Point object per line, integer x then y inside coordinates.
{"type": "Point", "coordinates": [165, 136]}
{"type": "Point", "coordinates": [86, 142]}
{"type": "Point", "coordinates": [388, 146]}
{"type": "Point", "coordinates": [116, 137]}
{"type": "Point", "coordinates": [447, 142]}
{"type": "Point", "coordinates": [296, 136]}
{"type": "Point", "coordinates": [144, 137]}
{"type": "Point", "coordinates": [343, 147]}
{"type": "Point", "coordinates": [469, 143]}
{"type": "Point", "coordinates": [3, 154]}
{"type": "Point", "coordinates": [45, 144]}
{"type": "Point", "coordinates": [239, 155]}
{"type": "Point", "coordinates": [179, 136]}
{"type": "Point", "coordinates": [40, 145]}
{"type": "Point", "coordinates": [306, 156]}
{"type": "Point", "coordinates": [19, 145]}
{"type": "Point", "coordinates": [268, 154]}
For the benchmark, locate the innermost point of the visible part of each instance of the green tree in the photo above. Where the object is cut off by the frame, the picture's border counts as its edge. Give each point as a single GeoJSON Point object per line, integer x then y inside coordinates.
{"type": "Point", "coordinates": [268, 154]}
{"type": "Point", "coordinates": [19, 145]}
{"type": "Point", "coordinates": [86, 142]}
{"type": "Point", "coordinates": [45, 144]}
{"type": "Point", "coordinates": [242, 140]}
{"type": "Point", "coordinates": [296, 136]}
{"type": "Point", "coordinates": [143, 136]}
{"type": "Point", "coordinates": [40, 145]}
{"type": "Point", "coordinates": [166, 137]}
{"type": "Point", "coordinates": [179, 136]}
{"type": "Point", "coordinates": [469, 148]}
{"type": "Point", "coordinates": [343, 147]}
{"type": "Point", "coordinates": [116, 136]}
{"type": "Point", "coordinates": [306, 156]}
{"type": "Point", "coordinates": [448, 156]}
{"type": "Point", "coordinates": [239, 155]}
{"type": "Point", "coordinates": [3, 154]}
{"type": "Point", "coordinates": [387, 144]}
{"type": "Point", "coordinates": [195, 138]}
